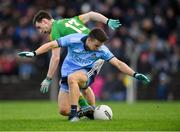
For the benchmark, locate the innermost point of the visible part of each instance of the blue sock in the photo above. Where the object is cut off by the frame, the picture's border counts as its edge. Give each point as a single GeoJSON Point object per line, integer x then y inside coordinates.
{"type": "Point", "coordinates": [73, 110]}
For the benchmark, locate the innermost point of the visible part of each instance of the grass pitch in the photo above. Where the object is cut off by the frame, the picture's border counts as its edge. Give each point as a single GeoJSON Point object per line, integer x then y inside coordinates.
{"type": "Point", "coordinates": [43, 116]}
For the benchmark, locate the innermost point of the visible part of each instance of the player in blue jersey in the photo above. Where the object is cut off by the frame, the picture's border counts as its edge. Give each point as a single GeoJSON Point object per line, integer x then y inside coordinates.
{"type": "Point", "coordinates": [83, 51]}
{"type": "Point", "coordinates": [44, 23]}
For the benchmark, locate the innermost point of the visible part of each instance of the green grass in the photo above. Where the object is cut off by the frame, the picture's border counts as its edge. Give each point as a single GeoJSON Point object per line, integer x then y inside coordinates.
{"type": "Point", "coordinates": [43, 115]}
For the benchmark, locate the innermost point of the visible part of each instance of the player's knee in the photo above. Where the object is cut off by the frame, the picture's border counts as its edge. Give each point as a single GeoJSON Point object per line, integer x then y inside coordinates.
{"type": "Point", "coordinates": [71, 79]}
{"type": "Point", "coordinates": [64, 111]}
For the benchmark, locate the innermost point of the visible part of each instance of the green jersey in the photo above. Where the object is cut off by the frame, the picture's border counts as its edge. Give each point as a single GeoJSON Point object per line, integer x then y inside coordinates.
{"type": "Point", "coordinates": [63, 27]}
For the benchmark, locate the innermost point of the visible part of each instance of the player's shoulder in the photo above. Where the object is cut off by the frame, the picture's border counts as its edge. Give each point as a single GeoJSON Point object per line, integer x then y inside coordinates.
{"type": "Point", "coordinates": [65, 20]}
{"type": "Point", "coordinates": [103, 48]}
{"type": "Point", "coordinates": [59, 21]}
{"type": "Point", "coordinates": [74, 17]}
{"type": "Point", "coordinates": [77, 19]}
{"type": "Point", "coordinates": [76, 37]}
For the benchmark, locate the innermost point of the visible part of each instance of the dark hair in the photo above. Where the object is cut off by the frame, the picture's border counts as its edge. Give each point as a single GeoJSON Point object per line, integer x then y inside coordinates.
{"type": "Point", "coordinates": [98, 34]}
{"type": "Point", "coordinates": [40, 15]}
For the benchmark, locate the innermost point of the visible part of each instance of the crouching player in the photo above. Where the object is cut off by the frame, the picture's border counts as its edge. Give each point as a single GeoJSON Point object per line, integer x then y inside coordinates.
{"type": "Point", "coordinates": [83, 51]}
{"type": "Point", "coordinates": [44, 23]}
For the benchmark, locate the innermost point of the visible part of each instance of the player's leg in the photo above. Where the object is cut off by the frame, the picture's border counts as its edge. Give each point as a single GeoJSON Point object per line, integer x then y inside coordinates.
{"type": "Point", "coordinates": [89, 95]}
{"type": "Point", "coordinates": [64, 87]}
{"type": "Point", "coordinates": [63, 98]}
{"type": "Point", "coordinates": [76, 81]}
{"type": "Point", "coordinates": [88, 112]}
{"type": "Point", "coordinates": [63, 103]}
{"type": "Point", "coordinates": [82, 101]}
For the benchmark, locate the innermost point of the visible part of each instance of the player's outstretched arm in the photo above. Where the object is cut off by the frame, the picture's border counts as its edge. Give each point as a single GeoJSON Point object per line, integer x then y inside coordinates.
{"type": "Point", "coordinates": [46, 47]}
{"type": "Point", "coordinates": [54, 62]}
{"type": "Point", "coordinates": [42, 49]}
{"type": "Point", "coordinates": [95, 16]}
{"type": "Point", "coordinates": [123, 67]}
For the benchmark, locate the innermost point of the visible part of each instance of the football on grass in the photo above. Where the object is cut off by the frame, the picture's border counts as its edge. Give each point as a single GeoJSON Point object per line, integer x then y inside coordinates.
{"type": "Point", "coordinates": [103, 112]}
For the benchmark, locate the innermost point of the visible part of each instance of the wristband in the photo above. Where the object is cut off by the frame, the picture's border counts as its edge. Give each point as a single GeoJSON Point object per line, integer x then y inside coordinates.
{"type": "Point", "coordinates": [48, 78]}
{"type": "Point", "coordinates": [134, 74]}
{"type": "Point", "coordinates": [107, 21]}
{"type": "Point", "coordinates": [34, 53]}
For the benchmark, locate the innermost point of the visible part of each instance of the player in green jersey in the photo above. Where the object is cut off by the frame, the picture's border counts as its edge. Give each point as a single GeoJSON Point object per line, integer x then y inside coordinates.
{"type": "Point", "coordinates": [44, 23]}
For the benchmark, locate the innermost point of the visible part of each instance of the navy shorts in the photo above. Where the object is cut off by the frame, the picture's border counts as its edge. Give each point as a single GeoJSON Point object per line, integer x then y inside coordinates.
{"type": "Point", "coordinates": [90, 74]}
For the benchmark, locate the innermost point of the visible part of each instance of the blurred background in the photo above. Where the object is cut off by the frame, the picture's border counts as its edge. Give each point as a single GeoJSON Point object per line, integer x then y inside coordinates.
{"type": "Point", "coordinates": [148, 41]}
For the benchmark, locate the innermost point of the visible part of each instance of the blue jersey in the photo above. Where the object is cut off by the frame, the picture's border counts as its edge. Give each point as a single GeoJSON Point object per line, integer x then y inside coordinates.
{"type": "Point", "coordinates": [78, 57]}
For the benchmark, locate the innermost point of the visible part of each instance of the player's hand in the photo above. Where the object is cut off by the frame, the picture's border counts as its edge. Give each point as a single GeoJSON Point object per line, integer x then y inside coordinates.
{"type": "Point", "coordinates": [45, 85]}
{"type": "Point", "coordinates": [27, 54]}
{"type": "Point", "coordinates": [141, 77]}
{"type": "Point", "coordinates": [113, 24]}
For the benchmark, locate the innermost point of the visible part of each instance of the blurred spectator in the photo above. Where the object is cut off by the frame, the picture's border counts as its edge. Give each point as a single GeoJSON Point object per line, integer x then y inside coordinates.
{"type": "Point", "coordinates": [114, 88]}
{"type": "Point", "coordinates": [162, 87]}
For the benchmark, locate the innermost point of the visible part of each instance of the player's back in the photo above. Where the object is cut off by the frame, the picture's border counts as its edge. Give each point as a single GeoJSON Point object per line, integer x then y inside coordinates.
{"type": "Point", "coordinates": [63, 27]}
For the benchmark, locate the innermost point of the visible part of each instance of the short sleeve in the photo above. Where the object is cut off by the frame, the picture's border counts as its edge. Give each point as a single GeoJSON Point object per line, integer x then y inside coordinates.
{"type": "Point", "coordinates": [106, 54]}
{"type": "Point", "coordinates": [64, 41]}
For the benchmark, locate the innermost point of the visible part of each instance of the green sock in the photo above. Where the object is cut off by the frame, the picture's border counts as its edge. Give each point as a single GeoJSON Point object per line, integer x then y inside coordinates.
{"type": "Point", "coordinates": [83, 102]}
